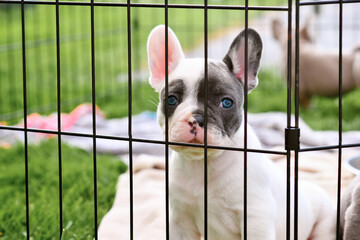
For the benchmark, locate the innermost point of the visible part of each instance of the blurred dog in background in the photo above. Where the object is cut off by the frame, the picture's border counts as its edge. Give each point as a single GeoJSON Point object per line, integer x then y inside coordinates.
{"type": "Point", "coordinates": [318, 70]}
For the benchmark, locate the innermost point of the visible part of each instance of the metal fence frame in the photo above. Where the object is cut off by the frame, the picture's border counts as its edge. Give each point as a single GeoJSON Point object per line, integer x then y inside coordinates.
{"type": "Point", "coordinates": [292, 130]}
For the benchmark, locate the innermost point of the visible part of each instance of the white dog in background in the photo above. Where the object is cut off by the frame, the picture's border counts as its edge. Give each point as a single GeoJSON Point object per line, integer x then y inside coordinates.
{"type": "Point", "coordinates": [318, 70]}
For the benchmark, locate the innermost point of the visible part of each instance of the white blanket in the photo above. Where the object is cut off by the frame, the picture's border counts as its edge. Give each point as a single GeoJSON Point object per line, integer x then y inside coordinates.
{"type": "Point", "coordinates": [149, 193]}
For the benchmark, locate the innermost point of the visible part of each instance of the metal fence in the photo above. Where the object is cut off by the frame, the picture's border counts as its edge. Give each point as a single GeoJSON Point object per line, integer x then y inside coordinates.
{"type": "Point", "coordinates": [19, 46]}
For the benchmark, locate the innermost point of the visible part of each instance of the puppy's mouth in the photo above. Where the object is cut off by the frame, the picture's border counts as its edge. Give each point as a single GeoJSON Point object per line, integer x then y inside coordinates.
{"type": "Point", "coordinates": [195, 152]}
{"type": "Point", "coordinates": [196, 141]}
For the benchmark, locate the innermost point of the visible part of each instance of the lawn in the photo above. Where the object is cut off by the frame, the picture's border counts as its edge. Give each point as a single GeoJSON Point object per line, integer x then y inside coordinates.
{"type": "Point", "coordinates": [111, 67]}
{"type": "Point", "coordinates": [78, 191]}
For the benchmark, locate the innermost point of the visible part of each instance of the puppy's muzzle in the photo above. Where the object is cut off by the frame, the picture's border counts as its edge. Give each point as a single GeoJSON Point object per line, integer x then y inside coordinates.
{"type": "Point", "coordinates": [196, 120]}
{"type": "Point", "coordinates": [196, 123]}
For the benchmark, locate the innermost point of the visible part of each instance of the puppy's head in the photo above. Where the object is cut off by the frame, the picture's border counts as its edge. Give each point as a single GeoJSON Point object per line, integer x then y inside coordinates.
{"type": "Point", "coordinates": [185, 102]}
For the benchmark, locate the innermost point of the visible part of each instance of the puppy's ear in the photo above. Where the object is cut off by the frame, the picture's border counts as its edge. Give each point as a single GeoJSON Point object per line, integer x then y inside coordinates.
{"type": "Point", "coordinates": [156, 55]}
{"type": "Point", "coordinates": [235, 58]}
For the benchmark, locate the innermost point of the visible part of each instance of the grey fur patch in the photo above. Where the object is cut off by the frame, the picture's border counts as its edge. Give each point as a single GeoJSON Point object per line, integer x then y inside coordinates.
{"type": "Point", "coordinates": [176, 88]}
{"type": "Point", "coordinates": [221, 84]}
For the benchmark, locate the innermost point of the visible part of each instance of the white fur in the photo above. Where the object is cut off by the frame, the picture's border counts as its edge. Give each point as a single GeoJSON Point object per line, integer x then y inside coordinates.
{"type": "Point", "coordinates": [266, 198]}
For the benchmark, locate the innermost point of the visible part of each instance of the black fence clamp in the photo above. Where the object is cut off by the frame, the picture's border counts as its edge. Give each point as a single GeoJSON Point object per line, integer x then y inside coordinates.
{"type": "Point", "coordinates": [292, 138]}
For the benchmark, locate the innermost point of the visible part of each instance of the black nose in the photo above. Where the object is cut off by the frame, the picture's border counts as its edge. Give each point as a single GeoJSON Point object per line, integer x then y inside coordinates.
{"type": "Point", "coordinates": [199, 119]}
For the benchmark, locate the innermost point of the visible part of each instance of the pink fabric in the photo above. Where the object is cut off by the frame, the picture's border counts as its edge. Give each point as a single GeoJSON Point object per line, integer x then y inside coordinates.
{"type": "Point", "coordinates": [68, 120]}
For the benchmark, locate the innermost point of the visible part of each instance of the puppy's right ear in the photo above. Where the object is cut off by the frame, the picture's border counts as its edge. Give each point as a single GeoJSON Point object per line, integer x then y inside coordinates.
{"type": "Point", "coordinates": [156, 55]}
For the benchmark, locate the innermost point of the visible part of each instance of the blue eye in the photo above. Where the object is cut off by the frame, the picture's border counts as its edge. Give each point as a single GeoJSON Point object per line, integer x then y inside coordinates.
{"type": "Point", "coordinates": [172, 100]}
{"type": "Point", "coordinates": [226, 103]}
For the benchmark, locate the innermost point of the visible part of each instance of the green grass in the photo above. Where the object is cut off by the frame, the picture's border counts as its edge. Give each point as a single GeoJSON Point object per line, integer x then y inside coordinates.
{"type": "Point", "coordinates": [78, 191]}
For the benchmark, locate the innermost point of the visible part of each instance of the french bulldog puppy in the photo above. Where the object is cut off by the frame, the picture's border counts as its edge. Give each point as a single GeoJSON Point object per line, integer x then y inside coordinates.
{"type": "Point", "coordinates": [266, 192]}
{"type": "Point", "coordinates": [350, 211]}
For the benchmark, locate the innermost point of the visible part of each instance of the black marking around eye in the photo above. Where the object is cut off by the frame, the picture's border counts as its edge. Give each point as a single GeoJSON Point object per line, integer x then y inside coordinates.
{"type": "Point", "coordinates": [222, 84]}
{"type": "Point", "coordinates": [176, 88]}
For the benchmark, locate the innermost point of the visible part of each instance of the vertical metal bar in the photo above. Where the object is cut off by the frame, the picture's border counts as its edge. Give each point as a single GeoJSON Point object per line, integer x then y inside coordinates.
{"type": "Point", "coordinates": [136, 39]}
{"type": "Point", "coordinates": [78, 91]}
{"type": "Point", "coordinates": [101, 43]}
{"type": "Point", "coordinates": [130, 121]}
{"type": "Point", "coordinates": [48, 27]}
{"type": "Point", "coordinates": [340, 121]}
{"type": "Point", "coordinates": [167, 215]}
{"type": "Point", "coordinates": [12, 92]}
{"type": "Point", "coordinates": [289, 63]}
{"type": "Point", "coordinates": [288, 155]}
{"type": "Point", "coordinates": [93, 97]}
{"type": "Point", "coordinates": [23, 40]}
{"type": "Point", "coordinates": [59, 115]}
{"type": "Point", "coordinates": [297, 62]}
{"type": "Point", "coordinates": [38, 56]}
{"type": "Point", "coordinates": [111, 74]}
{"type": "Point", "coordinates": [296, 165]}
{"type": "Point", "coordinates": [34, 74]}
{"type": "Point", "coordinates": [205, 119]}
{"type": "Point", "coordinates": [245, 115]}
{"type": "Point", "coordinates": [68, 57]}
{"type": "Point", "coordinates": [288, 195]}
{"type": "Point", "coordinates": [296, 194]}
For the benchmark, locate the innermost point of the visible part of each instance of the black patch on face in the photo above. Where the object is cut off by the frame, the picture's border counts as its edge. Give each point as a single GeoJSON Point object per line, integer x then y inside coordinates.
{"type": "Point", "coordinates": [176, 88]}
{"type": "Point", "coordinates": [221, 84]}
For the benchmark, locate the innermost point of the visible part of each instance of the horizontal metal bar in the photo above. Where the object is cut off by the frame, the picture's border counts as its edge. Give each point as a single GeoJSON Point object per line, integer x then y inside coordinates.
{"type": "Point", "coordinates": [330, 147]}
{"type": "Point", "coordinates": [310, 3]}
{"type": "Point", "coordinates": [308, 149]}
{"type": "Point", "coordinates": [109, 137]}
{"type": "Point", "coordinates": [150, 5]}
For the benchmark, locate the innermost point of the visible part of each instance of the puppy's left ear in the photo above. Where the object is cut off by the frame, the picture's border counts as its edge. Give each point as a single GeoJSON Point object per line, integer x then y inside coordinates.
{"type": "Point", "coordinates": [235, 58]}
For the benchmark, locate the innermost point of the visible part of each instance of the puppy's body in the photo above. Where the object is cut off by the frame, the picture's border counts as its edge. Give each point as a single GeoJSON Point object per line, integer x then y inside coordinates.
{"type": "Point", "coordinates": [225, 197]}
{"type": "Point", "coordinates": [266, 190]}
{"type": "Point", "coordinates": [266, 195]}
{"type": "Point", "coordinates": [266, 187]}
